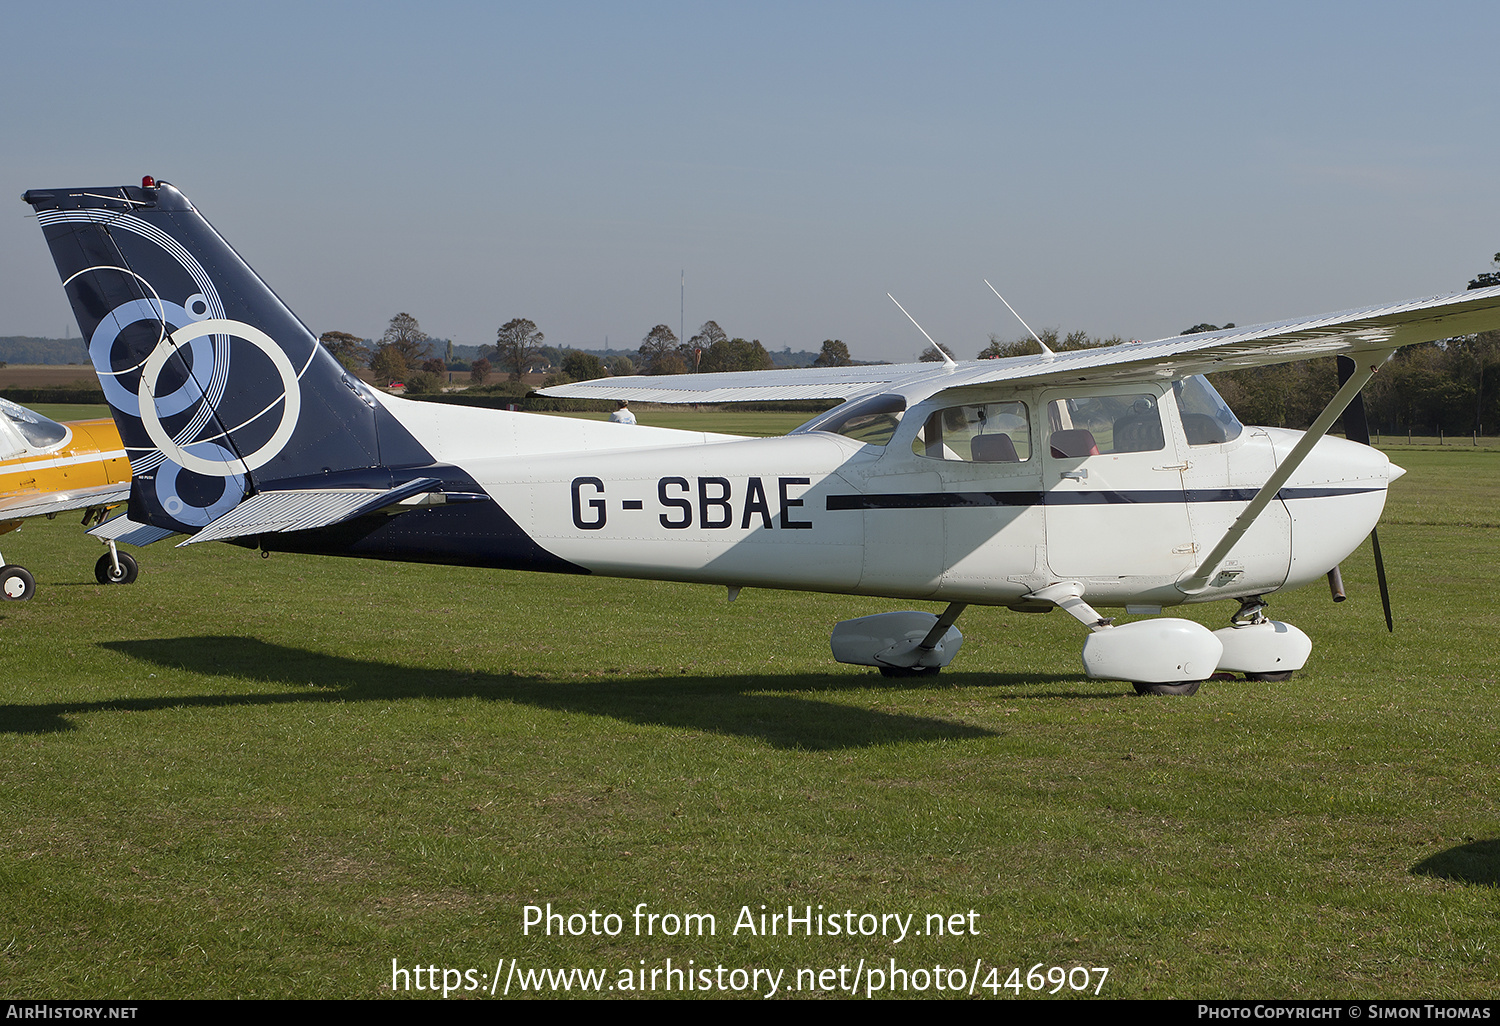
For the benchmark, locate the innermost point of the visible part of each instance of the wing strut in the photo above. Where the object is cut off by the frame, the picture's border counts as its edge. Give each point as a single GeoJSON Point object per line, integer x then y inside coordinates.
{"type": "Point", "coordinates": [1367, 363]}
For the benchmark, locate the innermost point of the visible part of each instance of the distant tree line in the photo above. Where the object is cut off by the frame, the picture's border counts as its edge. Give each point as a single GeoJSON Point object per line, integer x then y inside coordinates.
{"type": "Point", "coordinates": [404, 354]}
{"type": "Point", "coordinates": [1451, 386]}
{"type": "Point", "coordinates": [709, 351]}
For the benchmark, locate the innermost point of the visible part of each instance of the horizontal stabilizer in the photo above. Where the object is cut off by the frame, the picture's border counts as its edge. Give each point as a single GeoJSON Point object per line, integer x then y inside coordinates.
{"type": "Point", "coordinates": [304, 509]}
{"type": "Point", "coordinates": [123, 529]}
{"type": "Point", "coordinates": [33, 504]}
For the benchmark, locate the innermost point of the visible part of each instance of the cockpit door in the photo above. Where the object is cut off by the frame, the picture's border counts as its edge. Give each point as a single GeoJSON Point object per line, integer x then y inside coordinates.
{"type": "Point", "coordinates": [1112, 485]}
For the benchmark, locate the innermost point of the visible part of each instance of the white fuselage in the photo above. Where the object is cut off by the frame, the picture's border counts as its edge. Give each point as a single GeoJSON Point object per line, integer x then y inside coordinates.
{"type": "Point", "coordinates": [922, 516]}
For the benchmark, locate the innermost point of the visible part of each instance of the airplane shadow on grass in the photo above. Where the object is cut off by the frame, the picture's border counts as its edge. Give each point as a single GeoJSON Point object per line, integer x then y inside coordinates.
{"type": "Point", "coordinates": [1477, 863]}
{"type": "Point", "coordinates": [734, 705]}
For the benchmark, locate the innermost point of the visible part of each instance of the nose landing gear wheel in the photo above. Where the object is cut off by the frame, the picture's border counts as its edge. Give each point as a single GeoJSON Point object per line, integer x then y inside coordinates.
{"type": "Point", "coordinates": [909, 671]}
{"type": "Point", "coordinates": [16, 583]}
{"type": "Point", "coordinates": [105, 572]}
{"type": "Point", "coordinates": [1186, 688]}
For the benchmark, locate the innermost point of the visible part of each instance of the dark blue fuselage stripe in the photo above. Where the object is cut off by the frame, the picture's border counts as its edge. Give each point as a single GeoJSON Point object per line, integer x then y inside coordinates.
{"type": "Point", "coordinates": [958, 500]}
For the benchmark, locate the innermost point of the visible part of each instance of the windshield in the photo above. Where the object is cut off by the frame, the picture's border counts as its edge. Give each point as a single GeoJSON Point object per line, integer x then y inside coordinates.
{"type": "Point", "coordinates": [871, 421]}
{"type": "Point", "coordinates": [1206, 417]}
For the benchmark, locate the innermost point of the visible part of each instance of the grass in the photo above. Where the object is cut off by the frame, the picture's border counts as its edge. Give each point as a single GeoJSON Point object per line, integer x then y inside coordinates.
{"type": "Point", "coordinates": [268, 778]}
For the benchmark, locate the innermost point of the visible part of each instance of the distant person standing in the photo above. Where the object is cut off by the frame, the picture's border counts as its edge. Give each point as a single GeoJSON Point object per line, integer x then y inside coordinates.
{"type": "Point", "coordinates": [622, 414]}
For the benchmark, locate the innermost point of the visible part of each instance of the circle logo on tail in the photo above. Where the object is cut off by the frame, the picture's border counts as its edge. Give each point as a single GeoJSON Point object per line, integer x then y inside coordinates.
{"type": "Point", "coordinates": [290, 398]}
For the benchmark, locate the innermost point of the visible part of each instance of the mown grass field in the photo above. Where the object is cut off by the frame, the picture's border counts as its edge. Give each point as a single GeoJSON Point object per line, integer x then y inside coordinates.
{"type": "Point", "coordinates": [246, 777]}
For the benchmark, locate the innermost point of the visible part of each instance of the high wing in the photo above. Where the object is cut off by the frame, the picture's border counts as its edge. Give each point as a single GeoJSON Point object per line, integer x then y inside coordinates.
{"type": "Point", "coordinates": [1349, 332]}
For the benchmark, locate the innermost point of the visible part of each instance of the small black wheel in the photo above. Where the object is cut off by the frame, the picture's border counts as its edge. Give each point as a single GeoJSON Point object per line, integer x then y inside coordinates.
{"type": "Point", "coordinates": [1278, 677]}
{"type": "Point", "coordinates": [16, 583]}
{"type": "Point", "coordinates": [1186, 688]}
{"type": "Point", "coordinates": [909, 671]}
{"type": "Point", "coordinates": [105, 572]}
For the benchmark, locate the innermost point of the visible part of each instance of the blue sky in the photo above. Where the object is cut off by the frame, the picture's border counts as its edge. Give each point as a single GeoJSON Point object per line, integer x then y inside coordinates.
{"type": "Point", "coordinates": [1129, 168]}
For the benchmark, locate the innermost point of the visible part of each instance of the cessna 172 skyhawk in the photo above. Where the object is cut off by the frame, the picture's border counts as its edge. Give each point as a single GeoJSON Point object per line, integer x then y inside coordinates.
{"type": "Point", "coordinates": [1110, 477]}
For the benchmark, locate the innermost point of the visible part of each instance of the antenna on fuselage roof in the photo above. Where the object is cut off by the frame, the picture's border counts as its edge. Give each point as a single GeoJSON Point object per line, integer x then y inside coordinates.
{"type": "Point", "coordinates": [947, 360]}
{"type": "Point", "coordinates": [1045, 351]}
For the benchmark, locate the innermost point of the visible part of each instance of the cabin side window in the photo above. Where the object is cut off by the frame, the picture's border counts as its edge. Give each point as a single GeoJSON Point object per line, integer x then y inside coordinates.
{"type": "Point", "coordinates": [978, 433]}
{"type": "Point", "coordinates": [1097, 425]}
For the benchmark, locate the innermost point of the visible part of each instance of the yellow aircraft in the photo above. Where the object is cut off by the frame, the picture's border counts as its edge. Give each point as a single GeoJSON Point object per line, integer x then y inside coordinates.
{"type": "Point", "coordinates": [47, 468]}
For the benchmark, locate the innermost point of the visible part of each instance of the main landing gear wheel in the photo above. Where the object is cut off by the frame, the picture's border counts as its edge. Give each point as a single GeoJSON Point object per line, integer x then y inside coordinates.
{"type": "Point", "coordinates": [1186, 688]}
{"type": "Point", "coordinates": [105, 572]}
{"type": "Point", "coordinates": [16, 583]}
{"type": "Point", "coordinates": [909, 671]}
{"type": "Point", "coordinates": [1279, 677]}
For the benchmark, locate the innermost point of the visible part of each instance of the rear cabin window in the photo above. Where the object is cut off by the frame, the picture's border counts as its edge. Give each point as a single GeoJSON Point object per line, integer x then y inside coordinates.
{"type": "Point", "coordinates": [980, 433]}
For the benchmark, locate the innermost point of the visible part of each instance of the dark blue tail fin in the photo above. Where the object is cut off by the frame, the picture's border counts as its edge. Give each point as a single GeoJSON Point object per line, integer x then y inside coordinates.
{"type": "Point", "coordinates": [217, 388]}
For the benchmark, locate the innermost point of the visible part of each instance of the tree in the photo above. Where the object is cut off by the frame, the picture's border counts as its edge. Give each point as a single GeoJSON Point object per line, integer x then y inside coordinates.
{"type": "Point", "coordinates": [435, 366]}
{"type": "Point", "coordinates": [708, 334]}
{"type": "Point", "coordinates": [834, 354]}
{"type": "Point", "coordinates": [479, 370]}
{"type": "Point", "coordinates": [735, 354]}
{"type": "Point", "coordinates": [659, 343]}
{"type": "Point", "coordinates": [620, 366]}
{"type": "Point", "coordinates": [516, 342]}
{"type": "Point", "coordinates": [668, 363]}
{"type": "Point", "coordinates": [349, 350]}
{"type": "Point", "coordinates": [1488, 278]}
{"type": "Point", "coordinates": [931, 355]}
{"type": "Point", "coordinates": [387, 365]}
{"type": "Point", "coordinates": [582, 366]}
{"type": "Point", "coordinates": [423, 382]}
{"type": "Point", "coordinates": [1205, 326]}
{"type": "Point", "coordinates": [999, 349]}
{"type": "Point", "coordinates": [406, 336]}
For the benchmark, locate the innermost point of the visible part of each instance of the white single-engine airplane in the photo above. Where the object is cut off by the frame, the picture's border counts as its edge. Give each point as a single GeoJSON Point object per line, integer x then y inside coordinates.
{"type": "Point", "coordinates": [1104, 478]}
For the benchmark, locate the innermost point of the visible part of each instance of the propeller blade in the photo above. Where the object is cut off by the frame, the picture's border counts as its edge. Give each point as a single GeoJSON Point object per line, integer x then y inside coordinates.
{"type": "Point", "coordinates": [1356, 426]}
{"type": "Point", "coordinates": [1385, 592]}
{"type": "Point", "coordinates": [1357, 429]}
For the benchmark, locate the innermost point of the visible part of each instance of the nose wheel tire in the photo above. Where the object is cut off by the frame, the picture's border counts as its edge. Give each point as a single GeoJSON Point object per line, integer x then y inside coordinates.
{"type": "Point", "coordinates": [105, 572]}
{"type": "Point", "coordinates": [1186, 688]}
{"type": "Point", "coordinates": [16, 583]}
{"type": "Point", "coordinates": [909, 671]}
